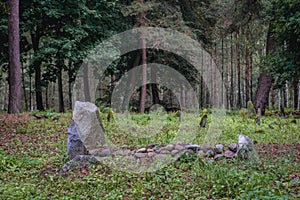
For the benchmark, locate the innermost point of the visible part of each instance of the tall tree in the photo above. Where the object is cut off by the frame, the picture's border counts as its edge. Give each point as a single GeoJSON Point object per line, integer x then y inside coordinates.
{"type": "Point", "coordinates": [144, 62]}
{"type": "Point", "coordinates": [266, 79]}
{"type": "Point", "coordinates": [15, 86]}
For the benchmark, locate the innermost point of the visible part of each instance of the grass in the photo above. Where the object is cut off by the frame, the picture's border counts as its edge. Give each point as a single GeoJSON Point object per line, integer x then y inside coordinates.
{"type": "Point", "coordinates": [32, 151]}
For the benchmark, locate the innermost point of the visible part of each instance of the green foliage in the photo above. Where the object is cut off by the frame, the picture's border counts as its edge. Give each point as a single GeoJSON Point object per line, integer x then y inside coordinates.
{"type": "Point", "coordinates": [283, 17]}
{"type": "Point", "coordinates": [110, 115]}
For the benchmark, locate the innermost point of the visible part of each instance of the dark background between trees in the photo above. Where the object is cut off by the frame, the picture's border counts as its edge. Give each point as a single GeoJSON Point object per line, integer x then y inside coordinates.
{"type": "Point", "coordinates": [255, 43]}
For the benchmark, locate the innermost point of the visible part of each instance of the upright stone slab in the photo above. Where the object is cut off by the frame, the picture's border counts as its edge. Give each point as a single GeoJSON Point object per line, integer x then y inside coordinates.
{"type": "Point", "coordinates": [75, 145]}
{"type": "Point", "coordinates": [246, 149]}
{"type": "Point", "coordinates": [88, 125]}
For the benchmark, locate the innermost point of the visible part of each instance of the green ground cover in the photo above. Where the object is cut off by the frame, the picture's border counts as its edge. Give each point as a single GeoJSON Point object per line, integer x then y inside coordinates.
{"type": "Point", "coordinates": [33, 150]}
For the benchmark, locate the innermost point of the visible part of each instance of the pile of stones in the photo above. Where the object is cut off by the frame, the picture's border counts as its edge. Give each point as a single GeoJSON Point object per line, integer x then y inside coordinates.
{"type": "Point", "coordinates": [84, 142]}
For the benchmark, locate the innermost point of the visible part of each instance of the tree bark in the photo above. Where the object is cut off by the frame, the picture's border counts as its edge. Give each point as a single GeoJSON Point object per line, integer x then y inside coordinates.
{"type": "Point", "coordinates": [231, 75]}
{"type": "Point", "coordinates": [24, 88]}
{"type": "Point", "coordinates": [247, 77]}
{"type": "Point", "coordinates": [47, 97]}
{"type": "Point", "coordinates": [265, 80]}
{"type": "Point", "coordinates": [296, 93]}
{"type": "Point", "coordinates": [35, 38]}
{"type": "Point", "coordinates": [144, 65]}
{"type": "Point", "coordinates": [15, 86]}
{"type": "Point", "coordinates": [30, 91]}
{"type": "Point", "coordinates": [238, 68]}
{"type": "Point", "coordinates": [61, 106]}
{"type": "Point", "coordinates": [155, 93]}
{"type": "Point", "coordinates": [86, 84]}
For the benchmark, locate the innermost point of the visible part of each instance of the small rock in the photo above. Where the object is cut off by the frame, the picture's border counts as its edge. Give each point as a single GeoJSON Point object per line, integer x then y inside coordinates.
{"type": "Point", "coordinates": [164, 151]}
{"type": "Point", "coordinates": [179, 147]}
{"type": "Point", "coordinates": [219, 148]}
{"type": "Point", "coordinates": [174, 152]}
{"type": "Point", "coordinates": [169, 147]}
{"type": "Point", "coordinates": [123, 152]}
{"type": "Point", "coordinates": [142, 150]}
{"type": "Point", "coordinates": [150, 150]}
{"type": "Point", "coordinates": [201, 154]}
{"type": "Point", "coordinates": [210, 153]}
{"type": "Point", "coordinates": [233, 147]}
{"type": "Point", "coordinates": [229, 154]}
{"type": "Point", "coordinates": [151, 154]}
{"type": "Point", "coordinates": [194, 147]}
{"type": "Point", "coordinates": [206, 147]}
{"type": "Point", "coordinates": [219, 157]}
{"type": "Point", "coordinates": [104, 153]}
{"type": "Point", "coordinates": [140, 155]}
{"type": "Point", "coordinates": [189, 151]}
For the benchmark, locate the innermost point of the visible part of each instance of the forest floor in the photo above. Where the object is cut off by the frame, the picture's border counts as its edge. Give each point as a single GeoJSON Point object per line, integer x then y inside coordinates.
{"type": "Point", "coordinates": [31, 149]}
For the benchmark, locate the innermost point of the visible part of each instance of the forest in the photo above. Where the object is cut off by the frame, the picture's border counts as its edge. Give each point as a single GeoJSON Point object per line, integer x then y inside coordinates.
{"type": "Point", "coordinates": [255, 45]}
{"type": "Point", "coordinates": [235, 64]}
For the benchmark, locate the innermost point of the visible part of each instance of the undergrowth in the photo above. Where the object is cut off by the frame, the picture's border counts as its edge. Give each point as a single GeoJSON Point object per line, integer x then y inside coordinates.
{"type": "Point", "coordinates": [33, 150]}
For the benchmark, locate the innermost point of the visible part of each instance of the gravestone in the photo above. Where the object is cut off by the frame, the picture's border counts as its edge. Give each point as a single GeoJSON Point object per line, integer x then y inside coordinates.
{"type": "Point", "coordinates": [86, 132]}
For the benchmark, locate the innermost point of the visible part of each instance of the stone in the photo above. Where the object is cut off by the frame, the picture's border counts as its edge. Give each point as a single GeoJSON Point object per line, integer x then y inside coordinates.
{"type": "Point", "coordinates": [179, 147]}
{"type": "Point", "coordinates": [164, 151]}
{"type": "Point", "coordinates": [206, 147]}
{"type": "Point", "coordinates": [169, 147]}
{"type": "Point", "coordinates": [104, 153]}
{"type": "Point", "coordinates": [201, 154]}
{"type": "Point", "coordinates": [219, 148]}
{"type": "Point", "coordinates": [193, 147]}
{"type": "Point", "coordinates": [210, 153]}
{"type": "Point", "coordinates": [174, 152]}
{"type": "Point", "coordinates": [219, 157]}
{"type": "Point", "coordinates": [123, 152]}
{"type": "Point", "coordinates": [233, 147]}
{"type": "Point", "coordinates": [140, 155]}
{"type": "Point", "coordinates": [74, 146]}
{"type": "Point", "coordinates": [151, 154]}
{"type": "Point", "coordinates": [142, 150]}
{"type": "Point", "coordinates": [88, 125]}
{"type": "Point", "coordinates": [246, 148]}
{"type": "Point", "coordinates": [150, 150]}
{"type": "Point", "coordinates": [229, 154]}
{"type": "Point", "coordinates": [79, 161]}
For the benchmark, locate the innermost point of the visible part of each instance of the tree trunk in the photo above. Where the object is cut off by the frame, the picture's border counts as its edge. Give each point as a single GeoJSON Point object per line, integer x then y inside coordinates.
{"type": "Point", "coordinates": [15, 86]}
{"type": "Point", "coordinates": [231, 75]}
{"type": "Point", "coordinates": [133, 77]}
{"type": "Point", "coordinates": [47, 96]}
{"type": "Point", "coordinates": [154, 87]}
{"type": "Point", "coordinates": [30, 91]}
{"type": "Point", "coordinates": [296, 93]}
{"type": "Point", "coordinates": [35, 38]}
{"type": "Point", "coordinates": [238, 68]}
{"type": "Point", "coordinates": [86, 84]}
{"type": "Point", "coordinates": [222, 70]}
{"type": "Point", "coordinates": [265, 79]}
{"type": "Point", "coordinates": [24, 89]}
{"type": "Point", "coordinates": [247, 78]}
{"type": "Point", "coordinates": [61, 106]}
{"type": "Point", "coordinates": [144, 66]}
{"type": "Point", "coordinates": [144, 76]}
{"type": "Point", "coordinates": [250, 76]}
